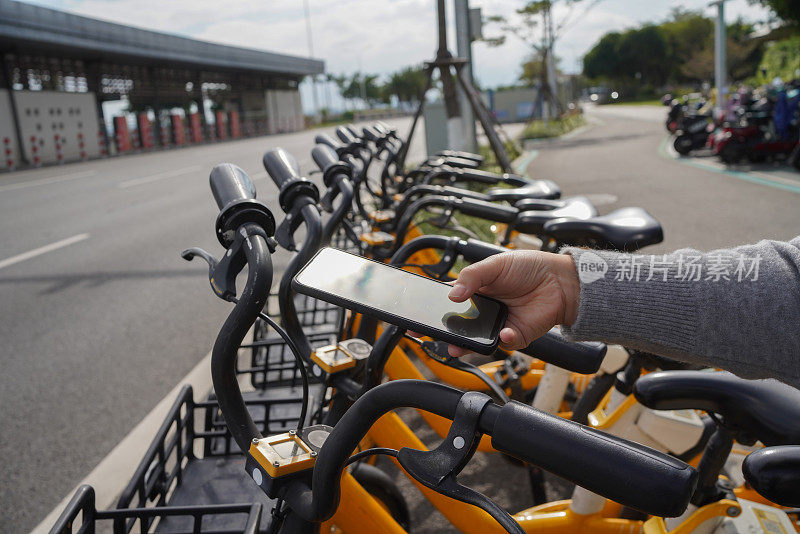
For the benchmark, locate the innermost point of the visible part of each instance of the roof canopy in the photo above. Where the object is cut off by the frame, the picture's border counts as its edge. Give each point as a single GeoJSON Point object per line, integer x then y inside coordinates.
{"type": "Point", "coordinates": [51, 31]}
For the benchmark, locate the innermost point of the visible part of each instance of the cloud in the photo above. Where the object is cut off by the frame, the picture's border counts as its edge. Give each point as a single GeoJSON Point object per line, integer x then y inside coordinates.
{"type": "Point", "coordinates": [380, 37]}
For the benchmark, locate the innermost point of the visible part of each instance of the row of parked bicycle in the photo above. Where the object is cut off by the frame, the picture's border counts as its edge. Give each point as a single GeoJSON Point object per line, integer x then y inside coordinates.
{"type": "Point", "coordinates": [753, 126]}
{"type": "Point", "coordinates": [287, 440]}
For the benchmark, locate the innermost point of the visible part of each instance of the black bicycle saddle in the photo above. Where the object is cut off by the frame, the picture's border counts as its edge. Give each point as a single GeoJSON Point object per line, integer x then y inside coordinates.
{"type": "Point", "coordinates": [535, 189]}
{"type": "Point", "coordinates": [626, 229]}
{"type": "Point", "coordinates": [534, 221]}
{"type": "Point", "coordinates": [764, 410]}
{"type": "Point", "coordinates": [774, 472]}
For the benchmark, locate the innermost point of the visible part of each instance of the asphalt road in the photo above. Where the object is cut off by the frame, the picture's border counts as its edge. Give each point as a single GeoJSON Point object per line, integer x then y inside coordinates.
{"type": "Point", "coordinates": [622, 155]}
{"type": "Point", "coordinates": [96, 332]}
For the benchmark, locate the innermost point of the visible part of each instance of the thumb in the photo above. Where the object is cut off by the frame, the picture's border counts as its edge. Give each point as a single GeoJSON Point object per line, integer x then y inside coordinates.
{"type": "Point", "coordinates": [476, 276]}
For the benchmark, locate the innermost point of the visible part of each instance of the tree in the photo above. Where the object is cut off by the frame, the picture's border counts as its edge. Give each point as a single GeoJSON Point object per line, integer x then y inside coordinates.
{"type": "Point", "coordinates": [406, 84]}
{"type": "Point", "coordinates": [540, 36]}
{"type": "Point", "coordinates": [679, 50]}
{"type": "Point", "coordinates": [602, 61]}
{"type": "Point", "coordinates": [364, 87]}
{"type": "Point", "coordinates": [643, 55]}
{"type": "Point", "coordinates": [781, 59]}
{"type": "Point", "coordinates": [786, 10]}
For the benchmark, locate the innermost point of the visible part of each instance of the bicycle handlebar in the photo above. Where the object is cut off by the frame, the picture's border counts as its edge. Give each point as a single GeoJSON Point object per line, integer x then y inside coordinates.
{"type": "Point", "coordinates": [281, 166]}
{"type": "Point", "coordinates": [229, 183]}
{"type": "Point", "coordinates": [235, 196]}
{"type": "Point", "coordinates": [619, 469]}
{"type": "Point", "coordinates": [347, 136]}
{"type": "Point", "coordinates": [626, 472]}
{"type": "Point", "coordinates": [325, 139]}
{"type": "Point", "coordinates": [285, 172]}
{"type": "Point", "coordinates": [584, 357]}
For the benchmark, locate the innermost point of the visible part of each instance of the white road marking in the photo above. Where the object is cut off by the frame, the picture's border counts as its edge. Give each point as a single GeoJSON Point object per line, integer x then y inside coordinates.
{"type": "Point", "coordinates": [47, 181]}
{"type": "Point", "coordinates": [156, 177]}
{"type": "Point", "coordinates": [43, 250]}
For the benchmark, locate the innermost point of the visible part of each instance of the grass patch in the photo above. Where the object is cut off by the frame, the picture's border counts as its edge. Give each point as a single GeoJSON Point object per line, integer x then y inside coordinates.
{"type": "Point", "coordinates": [476, 227]}
{"type": "Point", "coordinates": [538, 129]}
{"type": "Point", "coordinates": [651, 102]}
{"type": "Point", "coordinates": [490, 160]}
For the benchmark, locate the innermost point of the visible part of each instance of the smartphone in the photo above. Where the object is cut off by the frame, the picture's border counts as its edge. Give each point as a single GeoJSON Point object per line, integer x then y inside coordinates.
{"type": "Point", "coordinates": [403, 299]}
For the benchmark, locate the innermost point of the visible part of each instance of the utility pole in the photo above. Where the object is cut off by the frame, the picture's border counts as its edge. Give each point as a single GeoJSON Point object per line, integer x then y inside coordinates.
{"type": "Point", "coordinates": [444, 63]}
{"type": "Point", "coordinates": [720, 59]}
{"type": "Point", "coordinates": [311, 55]}
{"type": "Point", "coordinates": [455, 126]}
{"type": "Point", "coordinates": [464, 50]}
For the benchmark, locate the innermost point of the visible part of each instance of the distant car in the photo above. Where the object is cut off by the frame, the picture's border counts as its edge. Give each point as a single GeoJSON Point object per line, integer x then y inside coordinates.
{"type": "Point", "coordinates": [601, 95]}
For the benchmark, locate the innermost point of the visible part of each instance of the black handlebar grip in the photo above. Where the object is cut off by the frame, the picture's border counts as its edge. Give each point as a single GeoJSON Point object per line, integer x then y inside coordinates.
{"type": "Point", "coordinates": [353, 130]}
{"type": "Point", "coordinates": [626, 472]}
{"type": "Point", "coordinates": [473, 250]}
{"type": "Point", "coordinates": [583, 357]}
{"type": "Point", "coordinates": [328, 162]}
{"type": "Point", "coordinates": [284, 171]}
{"type": "Point", "coordinates": [281, 166]}
{"type": "Point", "coordinates": [491, 211]}
{"type": "Point", "coordinates": [371, 134]}
{"type": "Point", "coordinates": [235, 195]}
{"type": "Point", "coordinates": [485, 177]}
{"type": "Point", "coordinates": [230, 183]}
{"type": "Point", "coordinates": [346, 136]}
{"type": "Point", "coordinates": [324, 156]}
{"type": "Point", "coordinates": [325, 139]}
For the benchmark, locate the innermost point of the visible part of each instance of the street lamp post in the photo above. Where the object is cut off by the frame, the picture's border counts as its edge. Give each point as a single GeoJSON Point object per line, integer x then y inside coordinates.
{"type": "Point", "coordinates": [720, 60]}
{"type": "Point", "coordinates": [307, 12]}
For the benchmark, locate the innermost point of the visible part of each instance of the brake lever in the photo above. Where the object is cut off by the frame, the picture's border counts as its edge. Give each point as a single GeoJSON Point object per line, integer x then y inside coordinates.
{"type": "Point", "coordinates": [437, 350]}
{"type": "Point", "coordinates": [437, 469]}
{"type": "Point", "coordinates": [326, 202]}
{"type": "Point", "coordinates": [222, 273]}
{"type": "Point", "coordinates": [284, 234]}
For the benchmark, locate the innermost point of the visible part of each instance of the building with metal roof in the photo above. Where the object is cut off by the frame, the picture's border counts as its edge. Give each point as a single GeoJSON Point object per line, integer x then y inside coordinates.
{"type": "Point", "coordinates": [46, 50]}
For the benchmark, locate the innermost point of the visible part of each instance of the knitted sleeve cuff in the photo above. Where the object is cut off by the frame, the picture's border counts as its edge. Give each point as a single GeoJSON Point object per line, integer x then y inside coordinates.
{"type": "Point", "coordinates": [636, 300]}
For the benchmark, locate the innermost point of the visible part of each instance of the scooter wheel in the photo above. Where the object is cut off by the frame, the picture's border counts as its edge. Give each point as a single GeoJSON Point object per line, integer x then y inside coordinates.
{"type": "Point", "coordinates": [794, 158]}
{"type": "Point", "coordinates": [683, 144]}
{"type": "Point", "coordinates": [731, 153]}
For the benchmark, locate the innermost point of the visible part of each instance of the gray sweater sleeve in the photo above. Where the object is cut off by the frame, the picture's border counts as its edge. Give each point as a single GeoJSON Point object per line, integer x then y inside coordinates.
{"type": "Point", "coordinates": [737, 309]}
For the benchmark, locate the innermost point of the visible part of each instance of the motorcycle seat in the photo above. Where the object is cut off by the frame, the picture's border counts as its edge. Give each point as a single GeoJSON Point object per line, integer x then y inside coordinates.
{"type": "Point", "coordinates": [534, 221]}
{"type": "Point", "coordinates": [774, 472]}
{"type": "Point", "coordinates": [765, 410]}
{"type": "Point", "coordinates": [537, 189]}
{"type": "Point", "coordinates": [625, 229]}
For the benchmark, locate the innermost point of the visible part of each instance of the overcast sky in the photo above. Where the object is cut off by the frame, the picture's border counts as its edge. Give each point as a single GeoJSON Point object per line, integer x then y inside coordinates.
{"type": "Point", "coordinates": [379, 36]}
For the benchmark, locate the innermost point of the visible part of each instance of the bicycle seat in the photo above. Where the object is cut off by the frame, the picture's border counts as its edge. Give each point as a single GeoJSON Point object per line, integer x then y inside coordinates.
{"type": "Point", "coordinates": [774, 472]}
{"type": "Point", "coordinates": [544, 204]}
{"type": "Point", "coordinates": [534, 221]}
{"type": "Point", "coordinates": [535, 189]}
{"type": "Point", "coordinates": [765, 410]}
{"type": "Point", "coordinates": [625, 229]}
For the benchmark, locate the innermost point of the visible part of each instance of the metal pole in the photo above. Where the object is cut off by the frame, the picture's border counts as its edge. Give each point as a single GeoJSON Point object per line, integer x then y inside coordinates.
{"type": "Point", "coordinates": [720, 60]}
{"type": "Point", "coordinates": [311, 54]}
{"type": "Point", "coordinates": [464, 50]}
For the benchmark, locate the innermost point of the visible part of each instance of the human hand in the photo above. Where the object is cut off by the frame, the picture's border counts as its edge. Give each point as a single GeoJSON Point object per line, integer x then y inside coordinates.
{"type": "Point", "coordinates": [541, 290]}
